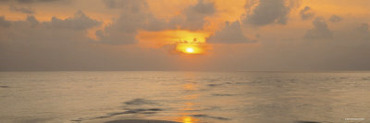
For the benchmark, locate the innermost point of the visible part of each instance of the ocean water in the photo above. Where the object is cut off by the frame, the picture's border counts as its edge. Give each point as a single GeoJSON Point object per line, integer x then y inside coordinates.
{"type": "Point", "coordinates": [187, 97]}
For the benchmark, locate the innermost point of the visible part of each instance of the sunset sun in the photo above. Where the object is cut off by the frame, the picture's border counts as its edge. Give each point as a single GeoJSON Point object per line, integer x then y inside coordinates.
{"type": "Point", "coordinates": [189, 50]}
{"type": "Point", "coordinates": [192, 49]}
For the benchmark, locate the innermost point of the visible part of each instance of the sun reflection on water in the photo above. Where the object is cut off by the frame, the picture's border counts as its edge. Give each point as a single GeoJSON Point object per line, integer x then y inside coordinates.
{"type": "Point", "coordinates": [188, 107]}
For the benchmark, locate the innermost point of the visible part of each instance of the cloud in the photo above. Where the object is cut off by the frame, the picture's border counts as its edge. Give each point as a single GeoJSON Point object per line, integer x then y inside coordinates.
{"type": "Point", "coordinates": [363, 31]}
{"type": "Point", "coordinates": [306, 13]}
{"type": "Point", "coordinates": [21, 9]}
{"type": "Point", "coordinates": [231, 33]}
{"type": "Point", "coordinates": [269, 12]}
{"type": "Point", "coordinates": [31, 45]}
{"type": "Point", "coordinates": [37, 45]}
{"type": "Point", "coordinates": [131, 5]}
{"type": "Point", "coordinates": [111, 4]}
{"type": "Point", "coordinates": [195, 15]}
{"type": "Point", "coordinates": [363, 28]}
{"type": "Point", "coordinates": [55, 29]}
{"type": "Point", "coordinates": [32, 20]}
{"type": "Point", "coordinates": [33, 1]}
{"type": "Point", "coordinates": [192, 17]}
{"type": "Point", "coordinates": [320, 30]}
{"type": "Point", "coordinates": [3, 22]}
{"type": "Point", "coordinates": [136, 16]}
{"type": "Point", "coordinates": [78, 22]}
{"type": "Point", "coordinates": [335, 18]}
{"type": "Point", "coordinates": [31, 30]}
{"type": "Point", "coordinates": [61, 43]}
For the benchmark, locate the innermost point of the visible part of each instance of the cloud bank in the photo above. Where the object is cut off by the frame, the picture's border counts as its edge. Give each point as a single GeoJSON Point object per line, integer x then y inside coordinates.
{"type": "Point", "coordinates": [130, 35]}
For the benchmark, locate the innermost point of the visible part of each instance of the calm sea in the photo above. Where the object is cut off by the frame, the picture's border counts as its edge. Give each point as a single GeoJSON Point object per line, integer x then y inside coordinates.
{"type": "Point", "coordinates": [188, 97]}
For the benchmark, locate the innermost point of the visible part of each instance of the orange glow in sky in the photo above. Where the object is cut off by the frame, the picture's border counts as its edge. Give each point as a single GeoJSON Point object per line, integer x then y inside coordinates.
{"type": "Point", "coordinates": [190, 48]}
{"type": "Point", "coordinates": [187, 42]}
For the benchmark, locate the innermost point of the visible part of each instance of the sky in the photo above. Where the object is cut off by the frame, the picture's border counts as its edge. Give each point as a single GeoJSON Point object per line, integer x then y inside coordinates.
{"type": "Point", "coordinates": [189, 35]}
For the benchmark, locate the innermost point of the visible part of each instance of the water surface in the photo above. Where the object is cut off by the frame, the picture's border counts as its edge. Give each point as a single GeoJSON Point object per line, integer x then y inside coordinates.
{"type": "Point", "coordinates": [188, 97]}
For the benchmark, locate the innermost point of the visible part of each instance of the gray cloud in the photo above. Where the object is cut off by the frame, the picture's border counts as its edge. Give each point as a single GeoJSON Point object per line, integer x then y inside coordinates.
{"type": "Point", "coordinates": [363, 31]}
{"type": "Point", "coordinates": [192, 18]}
{"type": "Point", "coordinates": [130, 5]}
{"type": "Point", "coordinates": [32, 20]}
{"type": "Point", "coordinates": [21, 9]}
{"type": "Point", "coordinates": [347, 49]}
{"type": "Point", "coordinates": [28, 43]}
{"type": "Point", "coordinates": [33, 1]}
{"type": "Point", "coordinates": [306, 13]}
{"type": "Point", "coordinates": [363, 28]}
{"type": "Point", "coordinates": [195, 15]}
{"type": "Point", "coordinates": [231, 33]}
{"type": "Point", "coordinates": [135, 15]}
{"type": "Point", "coordinates": [320, 30]}
{"type": "Point", "coordinates": [33, 45]}
{"type": "Point", "coordinates": [111, 4]}
{"type": "Point", "coordinates": [62, 44]}
{"type": "Point", "coordinates": [3, 22]}
{"type": "Point", "coordinates": [269, 12]}
{"type": "Point", "coordinates": [79, 22]}
{"type": "Point", "coordinates": [335, 18]}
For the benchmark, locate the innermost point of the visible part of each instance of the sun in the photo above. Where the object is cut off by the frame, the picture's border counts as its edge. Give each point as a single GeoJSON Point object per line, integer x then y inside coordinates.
{"type": "Point", "coordinates": [195, 47]}
{"type": "Point", "coordinates": [192, 49]}
{"type": "Point", "coordinates": [189, 50]}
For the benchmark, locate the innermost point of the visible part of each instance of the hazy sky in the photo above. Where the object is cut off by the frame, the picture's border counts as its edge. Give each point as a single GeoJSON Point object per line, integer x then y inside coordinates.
{"type": "Point", "coordinates": [237, 35]}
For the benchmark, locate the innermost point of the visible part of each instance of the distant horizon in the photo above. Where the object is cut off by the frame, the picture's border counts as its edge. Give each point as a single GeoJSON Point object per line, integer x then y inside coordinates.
{"type": "Point", "coordinates": [288, 71]}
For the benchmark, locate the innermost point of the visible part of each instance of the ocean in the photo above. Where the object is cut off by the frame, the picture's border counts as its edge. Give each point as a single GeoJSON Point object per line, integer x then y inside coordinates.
{"type": "Point", "coordinates": [186, 97]}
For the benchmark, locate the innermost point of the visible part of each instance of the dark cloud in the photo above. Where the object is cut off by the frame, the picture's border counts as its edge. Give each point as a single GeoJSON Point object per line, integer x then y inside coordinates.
{"type": "Point", "coordinates": [231, 33]}
{"type": "Point", "coordinates": [192, 18]}
{"type": "Point", "coordinates": [126, 27]}
{"type": "Point", "coordinates": [363, 28]}
{"type": "Point", "coordinates": [195, 15]}
{"type": "Point", "coordinates": [79, 22]}
{"type": "Point", "coordinates": [29, 43]}
{"type": "Point", "coordinates": [33, 45]}
{"type": "Point", "coordinates": [335, 18]}
{"type": "Point", "coordinates": [269, 12]}
{"type": "Point", "coordinates": [3, 22]}
{"type": "Point", "coordinates": [363, 31]}
{"type": "Point", "coordinates": [110, 3]}
{"type": "Point", "coordinates": [320, 30]}
{"type": "Point", "coordinates": [306, 13]}
{"type": "Point", "coordinates": [32, 20]}
{"type": "Point", "coordinates": [33, 1]}
{"type": "Point", "coordinates": [130, 5]}
{"type": "Point", "coordinates": [136, 16]}
{"type": "Point", "coordinates": [21, 9]}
